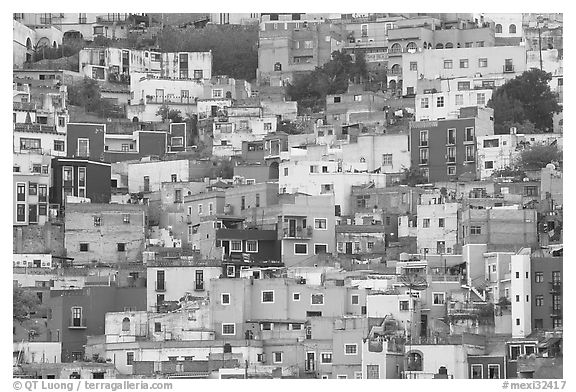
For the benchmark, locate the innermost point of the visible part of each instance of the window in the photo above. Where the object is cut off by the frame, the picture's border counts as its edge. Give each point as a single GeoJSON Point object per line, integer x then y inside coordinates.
{"type": "Point", "coordinates": [386, 159]}
{"type": "Point", "coordinates": [424, 103]}
{"type": "Point", "coordinates": [512, 29]}
{"type": "Point", "coordinates": [463, 86]}
{"type": "Point", "coordinates": [470, 153]}
{"type": "Point", "coordinates": [482, 63]}
{"type": "Point", "coordinates": [83, 147]}
{"type": "Point", "coordinates": [29, 144]}
{"type": "Point", "coordinates": [228, 329]}
{"type": "Point", "coordinates": [357, 98]}
{"type": "Point", "coordinates": [515, 350]}
{"type": "Point", "coordinates": [83, 247]}
{"type": "Point", "coordinates": [539, 277]}
{"type": "Point", "coordinates": [320, 224]}
{"type": "Point", "coordinates": [364, 30]}
{"type": "Point", "coordinates": [451, 154]}
{"type": "Point", "coordinates": [198, 74]}
{"type": "Point", "coordinates": [463, 63]}
{"type": "Point", "coordinates": [447, 64]}
{"type": "Point", "coordinates": [531, 190]}
{"type": "Point", "coordinates": [301, 249]}
{"type": "Point", "coordinates": [426, 223]}
{"type": "Point", "coordinates": [277, 356]}
{"type": "Point", "coordinates": [480, 99]}
{"type": "Point", "coordinates": [337, 99]}
{"type": "Point", "coordinates": [351, 349]}
{"type": "Point", "coordinates": [498, 28]}
{"type": "Point", "coordinates": [42, 209]}
{"type": "Point", "coordinates": [317, 299]}
{"type": "Point", "coordinates": [225, 299]}
{"type": "Point", "coordinates": [439, 102]}
{"type": "Point", "coordinates": [320, 249]}
{"type": "Point", "coordinates": [423, 156]}
{"type": "Point", "coordinates": [493, 371]}
{"type": "Point", "coordinates": [252, 246]}
{"type": "Point", "coordinates": [129, 358]}
{"type": "Point", "coordinates": [476, 371]}
{"type": "Point", "coordinates": [459, 100]}
{"type": "Point", "coordinates": [157, 327]}
{"type": "Point", "coordinates": [296, 327]}
{"type": "Point", "coordinates": [217, 93]}
{"type": "Point", "coordinates": [413, 66]}
{"type": "Point", "coordinates": [440, 222]}
{"type": "Point", "coordinates": [404, 306]}
{"type": "Point", "coordinates": [489, 165]}
{"type": "Point", "coordinates": [21, 192]}
{"type": "Point", "coordinates": [469, 137]}
{"type": "Point", "coordinates": [125, 324]}
{"type": "Point", "coordinates": [121, 246]}
{"type": "Point", "coordinates": [211, 206]}
{"type": "Point", "coordinates": [243, 203]}
{"type": "Point", "coordinates": [475, 230]}
{"type": "Point", "coordinates": [373, 372]}
{"type": "Point", "coordinates": [296, 297]}
{"type": "Point", "coordinates": [423, 138]}
{"type": "Point", "coordinates": [325, 357]}
{"type": "Point", "coordinates": [268, 296]}
{"type": "Point", "coordinates": [230, 271]}
{"type": "Point", "coordinates": [97, 221]}
{"type": "Point", "coordinates": [438, 298]}
{"type": "Point", "coordinates": [235, 246]}
{"type": "Point", "coordinates": [308, 44]}
{"type": "Point", "coordinates": [173, 178]}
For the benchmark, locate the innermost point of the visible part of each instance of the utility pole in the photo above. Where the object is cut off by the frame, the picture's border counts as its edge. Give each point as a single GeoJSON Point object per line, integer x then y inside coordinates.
{"type": "Point", "coordinates": [538, 21]}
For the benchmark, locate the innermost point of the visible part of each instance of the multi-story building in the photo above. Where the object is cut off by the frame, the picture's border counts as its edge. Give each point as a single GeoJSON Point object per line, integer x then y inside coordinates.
{"type": "Point", "coordinates": [445, 149]}
{"type": "Point", "coordinates": [43, 139]}
{"type": "Point", "coordinates": [135, 145]}
{"type": "Point", "coordinates": [26, 39]}
{"type": "Point", "coordinates": [507, 228]}
{"type": "Point", "coordinates": [31, 176]}
{"type": "Point", "coordinates": [508, 29]}
{"type": "Point", "coordinates": [388, 153]}
{"type": "Point", "coordinates": [432, 105]}
{"type": "Point", "coordinates": [489, 62]}
{"type": "Point", "coordinates": [85, 140]}
{"type": "Point", "coordinates": [340, 107]}
{"type": "Point", "coordinates": [287, 48]}
{"type": "Point", "coordinates": [437, 226]}
{"type": "Point", "coordinates": [546, 291]}
{"type": "Point", "coordinates": [84, 178]}
{"type": "Point", "coordinates": [105, 233]}
{"type": "Point", "coordinates": [168, 280]}
{"type": "Point", "coordinates": [148, 175]}
{"type": "Point", "coordinates": [496, 152]}
{"type": "Point", "coordinates": [116, 64]}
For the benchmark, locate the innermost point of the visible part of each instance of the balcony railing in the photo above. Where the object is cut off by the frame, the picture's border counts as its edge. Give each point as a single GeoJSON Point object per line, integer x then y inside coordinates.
{"type": "Point", "coordinates": [77, 323]}
{"type": "Point", "coordinates": [555, 287]}
{"type": "Point", "coordinates": [160, 286]}
{"type": "Point", "coordinates": [298, 232]}
{"type": "Point", "coordinates": [508, 69]}
{"type": "Point", "coordinates": [24, 106]}
{"type": "Point", "coordinates": [555, 311]}
{"type": "Point", "coordinates": [172, 100]}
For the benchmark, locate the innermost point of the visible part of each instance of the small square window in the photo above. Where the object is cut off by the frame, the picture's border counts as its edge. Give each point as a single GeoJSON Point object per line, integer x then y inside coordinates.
{"type": "Point", "coordinates": [121, 246]}
{"type": "Point", "coordinates": [228, 329]}
{"type": "Point", "coordinates": [317, 299]}
{"type": "Point", "coordinates": [97, 221]}
{"type": "Point", "coordinates": [126, 218]}
{"type": "Point", "coordinates": [268, 297]}
{"type": "Point", "coordinates": [350, 349]}
{"type": "Point", "coordinates": [225, 299]}
{"type": "Point", "coordinates": [296, 296]}
{"type": "Point", "coordinates": [355, 299]}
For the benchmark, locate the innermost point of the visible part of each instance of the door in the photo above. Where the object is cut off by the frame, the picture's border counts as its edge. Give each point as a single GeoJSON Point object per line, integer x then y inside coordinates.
{"type": "Point", "coordinates": [32, 213]}
{"type": "Point", "coordinates": [214, 110]}
{"type": "Point", "coordinates": [423, 324]}
{"type": "Point", "coordinates": [310, 361]}
{"type": "Point", "coordinates": [159, 95]}
{"type": "Point", "coordinates": [146, 184]}
{"type": "Point", "coordinates": [349, 248]}
{"type": "Point", "coordinates": [292, 228]}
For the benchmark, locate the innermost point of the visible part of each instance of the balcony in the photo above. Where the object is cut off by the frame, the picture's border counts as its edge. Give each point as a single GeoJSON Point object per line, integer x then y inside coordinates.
{"type": "Point", "coordinates": [297, 233]}
{"type": "Point", "coordinates": [170, 100]}
{"type": "Point", "coordinates": [77, 323]}
{"type": "Point", "coordinates": [508, 68]}
{"type": "Point", "coordinates": [160, 285]}
{"type": "Point", "coordinates": [555, 287]}
{"type": "Point", "coordinates": [556, 311]}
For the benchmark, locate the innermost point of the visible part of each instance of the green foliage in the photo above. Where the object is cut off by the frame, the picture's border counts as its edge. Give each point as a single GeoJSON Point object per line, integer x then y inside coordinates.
{"type": "Point", "coordinates": [85, 94]}
{"type": "Point", "coordinates": [310, 89]}
{"type": "Point", "coordinates": [509, 171]}
{"type": "Point", "coordinates": [538, 156]}
{"type": "Point", "coordinates": [234, 48]}
{"type": "Point", "coordinates": [413, 176]}
{"type": "Point", "coordinates": [172, 115]}
{"type": "Point", "coordinates": [223, 169]}
{"type": "Point", "coordinates": [23, 302]}
{"type": "Point", "coordinates": [525, 98]}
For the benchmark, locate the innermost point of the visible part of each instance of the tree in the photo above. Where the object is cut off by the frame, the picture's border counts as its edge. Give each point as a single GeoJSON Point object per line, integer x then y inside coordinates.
{"type": "Point", "coordinates": [413, 176]}
{"type": "Point", "coordinates": [86, 94]}
{"type": "Point", "coordinates": [23, 303]}
{"type": "Point", "coordinates": [525, 98]}
{"type": "Point", "coordinates": [538, 156]}
{"type": "Point", "coordinates": [166, 113]}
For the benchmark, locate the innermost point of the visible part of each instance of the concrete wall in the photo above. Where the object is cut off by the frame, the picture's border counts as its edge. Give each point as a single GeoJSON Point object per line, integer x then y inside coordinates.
{"type": "Point", "coordinates": [39, 239]}
{"type": "Point", "coordinates": [158, 172]}
{"type": "Point", "coordinates": [371, 149]}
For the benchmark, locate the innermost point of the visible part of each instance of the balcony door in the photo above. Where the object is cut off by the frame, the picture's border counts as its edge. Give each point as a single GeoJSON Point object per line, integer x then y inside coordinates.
{"type": "Point", "coordinates": [291, 227]}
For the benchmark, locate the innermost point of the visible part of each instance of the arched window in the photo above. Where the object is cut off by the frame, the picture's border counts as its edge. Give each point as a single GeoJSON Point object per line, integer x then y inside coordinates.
{"type": "Point", "coordinates": [414, 361]}
{"type": "Point", "coordinates": [512, 29]}
{"type": "Point", "coordinates": [429, 45]}
{"type": "Point", "coordinates": [125, 324]}
{"type": "Point", "coordinates": [277, 67]}
{"type": "Point", "coordinates": [54, 44]}
{"type": "Point", "coordinates": [395, 70]}
{"type": "Point", "coordinates": [28, 43]}
{"type": "Point", "coordinates": [362, 160]}
{"type": "Point", "coordinates": [498, 28]}
{"type": "Point", "coordinates": [411, 47]}
{"type": "Point", "coordinates": [449, 45]}
{"type": "Point", "coordinates": [228, 94]}
{"type": "Point", "coordinates": [392, 85]}
{"type": "Point", "coordinates": [439, 46]}
{"type": "Point", "coordinates": [396, 48]}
